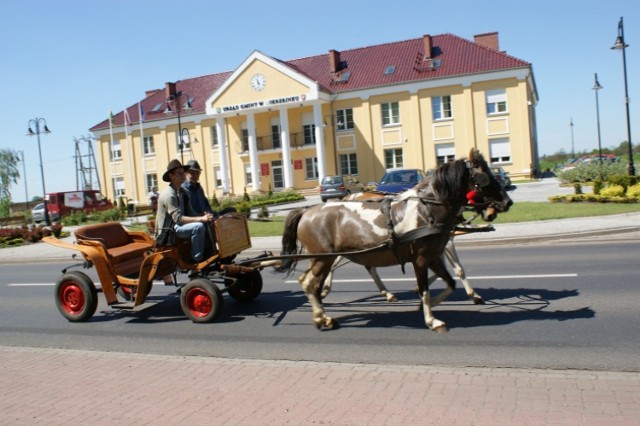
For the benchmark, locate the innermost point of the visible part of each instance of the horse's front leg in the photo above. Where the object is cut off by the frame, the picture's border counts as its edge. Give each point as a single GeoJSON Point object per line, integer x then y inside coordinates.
{"type": "Point", "coordinates": [452, 256]}
{"type": "Point", "coordinates": [423, 289]}
{"type": "Point", "coordinates": [311, 282]}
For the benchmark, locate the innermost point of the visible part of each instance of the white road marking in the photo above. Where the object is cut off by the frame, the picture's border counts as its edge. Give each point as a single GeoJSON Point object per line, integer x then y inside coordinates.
{"type": "Point", "coordinates": [487, 277]}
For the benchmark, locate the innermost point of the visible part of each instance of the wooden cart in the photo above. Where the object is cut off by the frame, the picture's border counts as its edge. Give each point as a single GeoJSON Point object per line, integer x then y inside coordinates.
{"type": "Point", "coordinates": [127, 262]}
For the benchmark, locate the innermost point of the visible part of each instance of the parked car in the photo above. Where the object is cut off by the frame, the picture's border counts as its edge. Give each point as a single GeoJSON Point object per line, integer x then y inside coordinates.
{"type": "Point", "coordinates": [339, 186]}
{"type": "Point", "coordinates": [37, 214]}
{"type": "Point", "coordinates": [394, 181]}
{"type": "Point", "coordinates": [572, 164]}
{"type": "Point", "coordinates": [501, 176]}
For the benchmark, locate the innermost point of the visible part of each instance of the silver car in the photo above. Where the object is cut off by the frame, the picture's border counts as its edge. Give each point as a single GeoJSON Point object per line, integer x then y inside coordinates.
{"type": "Point", "coordinates": [37, 213]}
{"type": "Point", "coordinates": [339, 186]}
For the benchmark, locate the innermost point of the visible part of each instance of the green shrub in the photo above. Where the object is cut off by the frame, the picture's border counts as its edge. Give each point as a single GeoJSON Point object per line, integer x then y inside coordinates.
{"type": "Point", "coordinates": [112, 215]}
{"type": "Point", "coordinates": [263, 212]}
{"type": "Point", "coordinates": [245, 196]}
{"type": "Point", "coordinates": [215, 204]}
{"type": "Point", "coordinates": [74, 218]}
{"type": "Point", "coordinates": [597, 186]}
{"type": "Point", "coordinates": [577, 188]}
{"type": "Point", "coordinates": [589, 172]}
{"type": "Point", "coordinates": [244, 208]}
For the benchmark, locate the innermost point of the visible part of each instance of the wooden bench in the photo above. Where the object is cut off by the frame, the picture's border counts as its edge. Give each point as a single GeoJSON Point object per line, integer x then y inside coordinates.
{"type": "Point", "coordinates": [124, 249]}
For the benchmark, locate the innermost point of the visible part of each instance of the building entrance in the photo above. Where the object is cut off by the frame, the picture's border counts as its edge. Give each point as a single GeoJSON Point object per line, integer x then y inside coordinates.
{"type": "Point", "coordinates": [278, 176]}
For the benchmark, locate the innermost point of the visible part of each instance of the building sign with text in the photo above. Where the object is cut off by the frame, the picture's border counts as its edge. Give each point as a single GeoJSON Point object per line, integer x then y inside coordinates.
{"type": "Point", "coordinates": [261, 104]}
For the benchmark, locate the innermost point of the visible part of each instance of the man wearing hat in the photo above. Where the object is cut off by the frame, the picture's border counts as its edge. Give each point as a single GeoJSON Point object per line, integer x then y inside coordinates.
{"type": "Point", "coordinates": [199, 200]}
{"type": "Point", "coordinates": [176, 215]}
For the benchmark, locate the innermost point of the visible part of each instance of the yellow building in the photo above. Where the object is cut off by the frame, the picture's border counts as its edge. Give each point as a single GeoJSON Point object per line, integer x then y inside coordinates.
{"type": "Point", "coordinates": [287, 124]}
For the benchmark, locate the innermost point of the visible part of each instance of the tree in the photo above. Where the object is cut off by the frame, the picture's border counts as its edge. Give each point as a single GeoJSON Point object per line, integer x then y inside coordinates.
{"type": "Point", "coordinates": [9, 173]}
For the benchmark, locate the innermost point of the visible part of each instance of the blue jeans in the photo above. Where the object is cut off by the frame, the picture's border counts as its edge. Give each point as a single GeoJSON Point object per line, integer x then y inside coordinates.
{"type": "Point", "coordinates": [196, 232]}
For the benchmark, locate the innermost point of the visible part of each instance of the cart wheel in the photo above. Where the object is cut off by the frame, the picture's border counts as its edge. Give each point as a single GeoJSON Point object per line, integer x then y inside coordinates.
{"type": "Point", "coordinates": [125, 291]}
{"type": "Point", "coordinates": [76, 296]}
{"type": "Point", "coordinates": [201, 300]}
{"type": "Point", "coordinates": [247, 287]}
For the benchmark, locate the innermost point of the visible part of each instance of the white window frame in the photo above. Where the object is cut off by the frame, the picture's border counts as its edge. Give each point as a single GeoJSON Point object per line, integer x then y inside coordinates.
{"type": "Point", "coordinates": [496, 101]}
{"type": "Point", "coordinates": [311, 168]}
{"type": "Point", "coordinates": [214, 138]}
{"type": "Point", "coordinates": [116, 150]}
{"type": "Point", "coordinates": [500, 151]}
{"type": "Point", "coordinates": [445, 153]}
{"type": "Point", "coordinates": [151, 180]}
{"type": "Point", "coordinates": [119, 188]}
{"type": "Point", "coordinates": [396, 156]}
{"type": "Point", "coordinates": [187, 142]}
{"type": "Point", "coordinates": [348, 164]}
{"type": "Point", "coordinates": [148, 147]}
{"type": "Point", "coordinates": [344, 120]}
{"type": "Point", "coordinates": [247, 174]}
{"type": "Point", "coordinates": [390, 113]}
{"type": "Point", "coordinates": [217, 176]}
{"type": "Point", "coordinates": [441, 108]}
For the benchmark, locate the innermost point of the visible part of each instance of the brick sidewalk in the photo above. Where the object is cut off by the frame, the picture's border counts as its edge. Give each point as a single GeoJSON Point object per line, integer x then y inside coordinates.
{"type": "Point", "coordinates": [60, 387]}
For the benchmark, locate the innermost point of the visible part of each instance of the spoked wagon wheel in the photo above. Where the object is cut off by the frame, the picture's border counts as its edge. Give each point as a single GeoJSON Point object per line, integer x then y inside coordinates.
{"type": "Point", "coordinates": [247, 287]}
{"type": "Point", "coordinates": [125, 291]}
{"type": "Point", "coordinates": [76, 296]}
{"type": "Point", "coordinates": [201, 300]}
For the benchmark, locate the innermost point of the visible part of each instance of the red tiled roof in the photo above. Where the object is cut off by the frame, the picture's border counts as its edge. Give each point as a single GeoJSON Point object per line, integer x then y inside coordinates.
{"type": "Point", "coordinates": [366, 66]}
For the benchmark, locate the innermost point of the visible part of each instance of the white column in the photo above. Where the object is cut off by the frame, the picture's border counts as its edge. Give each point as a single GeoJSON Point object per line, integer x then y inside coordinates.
{"type": "Point", "coordinates": [222, 152]}
{"type": "Point", "coordinates": [253, 151]}
{"type": "Point", "coordinates": [319, 130]}
{"type": "Point", "coordinates": [286, 148]}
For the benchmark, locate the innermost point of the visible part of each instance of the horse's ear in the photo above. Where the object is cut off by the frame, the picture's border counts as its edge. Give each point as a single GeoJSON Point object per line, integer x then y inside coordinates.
{"type": "Point", "coordinates": [473, 155]}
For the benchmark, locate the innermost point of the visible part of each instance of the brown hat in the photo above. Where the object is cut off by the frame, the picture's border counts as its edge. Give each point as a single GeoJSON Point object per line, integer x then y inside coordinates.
{"type": "Point", "coordinates": [194, 166]}
{"type": "Point", "coordinates": [173, 164]}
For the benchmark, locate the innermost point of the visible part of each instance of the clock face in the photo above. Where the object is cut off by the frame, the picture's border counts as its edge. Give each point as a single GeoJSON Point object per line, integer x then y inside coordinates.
{"type": "Point", "coordinates": [258, 82]}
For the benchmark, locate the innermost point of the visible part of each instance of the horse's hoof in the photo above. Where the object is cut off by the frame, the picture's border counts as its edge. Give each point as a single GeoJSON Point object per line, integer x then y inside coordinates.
{"type": "Point", "coordinates": [441, 329]}
{"type": "Point", "coordinates": [478, 301]}
{"type": "Point", "coordinates": [331, 324]}
{"type": "Point", "coordinates": [391, 298]}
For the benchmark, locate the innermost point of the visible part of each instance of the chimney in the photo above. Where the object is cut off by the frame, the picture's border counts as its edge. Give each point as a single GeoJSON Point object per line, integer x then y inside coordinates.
{"type": "Point", "coordinates": [428, 46]}
{"type": "Point", "coordinates": [170, 89]}
{"type": "Point", "coordinates": [151, 92]}
{"type": "Point", "coordinates": [334, 61]}
{"type": "Point", "coordinates": [489, 40]}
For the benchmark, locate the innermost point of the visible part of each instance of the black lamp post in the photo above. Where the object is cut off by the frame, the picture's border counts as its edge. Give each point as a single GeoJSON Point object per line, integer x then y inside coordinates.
{"type": "Point", "coordinates": [175, 101]}
{"type": "Point", "coordinates": [620, 45]}
{"type": "Point", "coordinates": [36, 123]}
{"type": "Point", "coordinates": [597, 87]}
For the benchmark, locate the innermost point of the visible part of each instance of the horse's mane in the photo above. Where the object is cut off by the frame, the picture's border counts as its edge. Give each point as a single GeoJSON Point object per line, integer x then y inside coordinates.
{"type": "Point", "coordinates": [450, 180]}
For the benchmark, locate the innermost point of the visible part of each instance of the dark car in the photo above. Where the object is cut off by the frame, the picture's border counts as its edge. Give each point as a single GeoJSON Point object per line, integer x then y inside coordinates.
{"type": "Point", "coordinates": [502, 177]}
{"type": "Point", "coordinates": [395, 181]}
{"type": "Point", "coordinates": [339, 186]}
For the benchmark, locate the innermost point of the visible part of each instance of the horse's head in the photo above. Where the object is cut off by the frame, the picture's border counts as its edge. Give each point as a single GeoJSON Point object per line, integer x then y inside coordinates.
{"type": "Point", "coordinates": [487, 196]}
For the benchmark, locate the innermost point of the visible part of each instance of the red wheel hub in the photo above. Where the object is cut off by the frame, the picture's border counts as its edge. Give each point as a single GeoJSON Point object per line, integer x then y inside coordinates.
{"type": "Point", "coordinates": [199, 302]}
{"type": "Point", "coordinates": [72, 298]}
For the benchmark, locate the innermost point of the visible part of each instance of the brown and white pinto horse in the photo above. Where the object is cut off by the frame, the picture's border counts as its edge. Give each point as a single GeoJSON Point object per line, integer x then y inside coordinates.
{"type": "Point", "coordinates": [415, 229]}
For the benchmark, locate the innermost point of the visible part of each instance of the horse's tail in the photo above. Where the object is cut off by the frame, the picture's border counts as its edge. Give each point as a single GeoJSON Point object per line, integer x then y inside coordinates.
{"type": "Point", "coordinates": [290, 241]}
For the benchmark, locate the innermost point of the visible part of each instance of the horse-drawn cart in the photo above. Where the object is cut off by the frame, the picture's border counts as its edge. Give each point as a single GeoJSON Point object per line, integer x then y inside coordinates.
{"type": "Point", "coordinates": [127, 262]}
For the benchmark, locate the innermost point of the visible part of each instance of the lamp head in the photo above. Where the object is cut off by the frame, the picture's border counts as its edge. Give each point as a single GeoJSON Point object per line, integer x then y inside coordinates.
{"type": "Point", "coordinates": [187, 106]}
{"type": "Point", "coordinates": [168, 110]}
{"type": "Point", "coordinates": [619, 44]}
{"type": "Point", "coordinates": [30, 132]}
{"type": "Point", "coordinates": [46, 129]}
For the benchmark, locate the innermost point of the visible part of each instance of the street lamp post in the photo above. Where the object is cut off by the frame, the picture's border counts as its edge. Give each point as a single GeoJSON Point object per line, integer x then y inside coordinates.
{"type": "Point", "coordinates": [573, 150]}
{"type": "Point", "coordinates": [620, 45]}
{"type": "Point", "coordinates": [597, 87]}
{"type": "Point", "coordinates": [36, 123]}
{"type": "Point", "coordinates": [175, 100]}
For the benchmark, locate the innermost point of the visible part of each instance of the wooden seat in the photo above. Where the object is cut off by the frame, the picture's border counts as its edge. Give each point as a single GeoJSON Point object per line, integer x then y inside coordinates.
{"type": "Point", "coordinates": [125, 250]}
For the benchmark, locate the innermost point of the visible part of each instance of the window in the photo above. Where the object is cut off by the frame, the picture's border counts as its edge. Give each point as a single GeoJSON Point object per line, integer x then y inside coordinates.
{"type": "Point", "coordinates": [311, 168]}
{"type": "Point", "coordinates": [214, 137]}
{"type": "Point", "coordinates": [151, 180]}
{"type": "Point", "coordinates": [500, 150]}
{"type": "Point", "coordinates": [348, 164]}
{"type": "Point", "coordinates": [393, 158]}
{"type": "Point", "coordinates": [496, 101]}
{"type": "Point", "coordinates": [116, 151]}
{"type": "Point", "coordinates": [344, 119]}
{"type": "Point", "coordinates": [309, 131]}
{"type": "Point", "coordinates": [390, 113]}
{"type": "Point", "coordinates": [147, 145]}
{"type": "Point", "coordinates": [247, 175]}
{"type": "Point", "coordinates": [217, 176]}
{"type": "Point", "coordinates": [441, 106]}
{"type": "Point", "coordinates": [275, 136]}
{"type": "Point", "coordinates": [186, 141]}
{"type": "Point", "coordinates": [245, 140]}
{"type": "Point", "coordinates": [445, 153]}
{"type": "Point", "coordinates": [118, 187]}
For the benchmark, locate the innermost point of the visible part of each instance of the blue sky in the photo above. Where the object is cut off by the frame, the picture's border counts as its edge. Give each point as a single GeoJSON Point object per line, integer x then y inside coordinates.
{"type": "Point", "coordinates": [70, 61]}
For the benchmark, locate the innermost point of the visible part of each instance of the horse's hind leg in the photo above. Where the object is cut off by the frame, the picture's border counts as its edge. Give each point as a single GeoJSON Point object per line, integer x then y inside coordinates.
{"type": "Point", "coordinates": [452, 256]}
{"type": "Point", "coordinates": [311, 282]}
{"type": "Point", "coordinates": [381, 287]}
{"type": "Point", "coordinates": [438, 268]}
